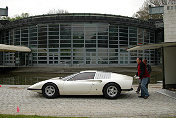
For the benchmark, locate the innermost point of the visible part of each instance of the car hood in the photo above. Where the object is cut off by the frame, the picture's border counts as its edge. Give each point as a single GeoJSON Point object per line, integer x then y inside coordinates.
{"type": "Point", "coordinates": [40, 84]}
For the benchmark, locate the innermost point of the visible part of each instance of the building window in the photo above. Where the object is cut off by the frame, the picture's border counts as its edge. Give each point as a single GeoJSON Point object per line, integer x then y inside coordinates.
{"type": "Point", "coordinates": [42, 36]}
{"type": "Point", "coordinates": [81, 43]}
{"type": "Point", "coordinates": [168, 7]}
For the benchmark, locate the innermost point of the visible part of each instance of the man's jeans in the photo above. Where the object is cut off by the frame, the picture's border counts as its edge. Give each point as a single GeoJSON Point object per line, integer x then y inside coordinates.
{"type": "Point", "coordinates": [144, 90]}
{"type": "Point", "coordinates": [139, 86]}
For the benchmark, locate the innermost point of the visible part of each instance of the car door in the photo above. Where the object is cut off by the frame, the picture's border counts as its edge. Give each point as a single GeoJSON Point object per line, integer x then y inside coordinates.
{"type": "Point", "coordinates": [80, 84]}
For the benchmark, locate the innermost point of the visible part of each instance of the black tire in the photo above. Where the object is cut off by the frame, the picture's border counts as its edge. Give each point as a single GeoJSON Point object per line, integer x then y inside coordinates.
{"type": "Point", "coordinates": [50, 90]}
{"type": "Point", "coordinates": [111, 91]}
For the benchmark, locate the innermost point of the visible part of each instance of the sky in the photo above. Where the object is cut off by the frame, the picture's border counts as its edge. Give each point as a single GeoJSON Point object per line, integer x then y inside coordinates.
{"type": "Point", "coordinates": [40, 7]}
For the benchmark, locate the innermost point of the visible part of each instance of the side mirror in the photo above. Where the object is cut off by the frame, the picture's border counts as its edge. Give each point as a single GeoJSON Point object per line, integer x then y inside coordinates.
{"type": "Point", "coordinates": [60, 77]}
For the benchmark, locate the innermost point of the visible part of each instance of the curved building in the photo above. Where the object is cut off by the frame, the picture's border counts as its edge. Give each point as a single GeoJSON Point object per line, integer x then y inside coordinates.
{"type": "Point", "coordinates": [77, 39]}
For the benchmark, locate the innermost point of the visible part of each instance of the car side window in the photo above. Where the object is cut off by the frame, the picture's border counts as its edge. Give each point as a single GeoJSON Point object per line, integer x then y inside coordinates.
{"type": "Point", "coordinates": [83, 76]}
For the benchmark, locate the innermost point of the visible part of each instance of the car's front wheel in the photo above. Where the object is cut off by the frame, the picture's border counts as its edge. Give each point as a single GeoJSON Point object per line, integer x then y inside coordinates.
{"type": "Point", "coordinates": [50, 90]}
{"type": "Point", "coordinates": [111, 90]}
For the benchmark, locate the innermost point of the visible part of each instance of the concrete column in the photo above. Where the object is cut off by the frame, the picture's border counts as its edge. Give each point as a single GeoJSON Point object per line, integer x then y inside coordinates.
{"type": "Point", "coordinates": [170, 66]}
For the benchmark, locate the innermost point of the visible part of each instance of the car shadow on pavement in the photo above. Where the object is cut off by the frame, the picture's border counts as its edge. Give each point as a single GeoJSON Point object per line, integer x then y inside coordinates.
{"type": "Point", "coordinates": [122, 96]}
{"type": "Point", "coordinates": [82, 96]}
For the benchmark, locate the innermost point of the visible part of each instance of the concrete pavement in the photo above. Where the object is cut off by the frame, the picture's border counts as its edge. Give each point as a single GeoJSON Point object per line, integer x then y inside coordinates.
{"type": "Point", "coordinates": [127, 105]}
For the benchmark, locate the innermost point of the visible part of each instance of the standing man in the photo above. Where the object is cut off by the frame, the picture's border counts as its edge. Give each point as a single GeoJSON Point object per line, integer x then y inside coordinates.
{"type": "Point", "coordinates": [149, 69]}
{"type": "Point", "coordinates": [144, 77]}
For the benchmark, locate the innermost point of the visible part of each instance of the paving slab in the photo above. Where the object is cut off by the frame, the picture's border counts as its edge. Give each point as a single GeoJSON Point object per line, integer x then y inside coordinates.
{"type": "Point", "coordinates": [127, 105]}
{"type": "Point", "coordinates": [168, 93]}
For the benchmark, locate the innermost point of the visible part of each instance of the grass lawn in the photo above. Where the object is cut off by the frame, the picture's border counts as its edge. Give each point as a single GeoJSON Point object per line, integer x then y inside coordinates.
{"type": "Point", "coordinates": [30, 116]}
{"type": "Point", "coordinates": [26, 116]}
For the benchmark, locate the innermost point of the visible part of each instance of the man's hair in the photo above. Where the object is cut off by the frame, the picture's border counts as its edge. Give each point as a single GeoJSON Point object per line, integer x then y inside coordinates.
{"type": "Point", "coordinates": [140, 58]}
{"type": "Point", "coordinates": [145, 60]}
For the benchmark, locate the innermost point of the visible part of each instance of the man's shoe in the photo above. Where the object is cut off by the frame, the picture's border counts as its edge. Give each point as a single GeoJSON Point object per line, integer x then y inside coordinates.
{"type": "Point", "coordinates": [140, 96]}
{"type": "Point", "coordinates": [137, 92]}
{"type": "Point", "coordinates": [145, 97]}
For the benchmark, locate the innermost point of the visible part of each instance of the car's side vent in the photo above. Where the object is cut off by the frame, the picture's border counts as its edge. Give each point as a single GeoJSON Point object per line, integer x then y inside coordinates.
{"type": "Point", "coordinates": [102, 75]}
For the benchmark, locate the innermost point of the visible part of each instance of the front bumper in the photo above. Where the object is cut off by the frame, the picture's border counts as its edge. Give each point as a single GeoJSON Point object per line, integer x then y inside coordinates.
{"type": "Point", "coordinates": [35, 90]}
{"type": "Point", "coordinates": [32, 89]}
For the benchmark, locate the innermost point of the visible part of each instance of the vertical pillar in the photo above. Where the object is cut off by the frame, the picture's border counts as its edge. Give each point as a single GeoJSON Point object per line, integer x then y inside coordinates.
{"type": "Point", "coordinates": [163, 71]}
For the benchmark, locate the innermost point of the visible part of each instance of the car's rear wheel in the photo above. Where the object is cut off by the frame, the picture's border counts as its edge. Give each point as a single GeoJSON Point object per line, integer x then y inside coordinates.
{"type": "Point", "coordinates": [111, 90]}
{"type": "Point", "coordinates": [50, 91]}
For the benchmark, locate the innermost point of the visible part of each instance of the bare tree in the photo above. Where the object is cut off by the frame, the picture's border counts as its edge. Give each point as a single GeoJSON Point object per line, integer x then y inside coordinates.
{"type": "Point", "coordinates": [143, 12]}
{"type": "Point", "coordinates": [58, 11]}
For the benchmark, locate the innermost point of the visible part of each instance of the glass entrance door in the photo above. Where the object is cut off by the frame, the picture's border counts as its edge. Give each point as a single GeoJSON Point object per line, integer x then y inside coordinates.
{"type": "Point", "coordinates": [22, 59]}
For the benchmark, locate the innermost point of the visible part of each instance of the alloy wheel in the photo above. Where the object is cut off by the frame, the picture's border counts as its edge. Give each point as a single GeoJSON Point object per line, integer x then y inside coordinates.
{"type": "Point", "coordinates": [112, 91]}
{"type": "Point", "coordinates": [50, 90]}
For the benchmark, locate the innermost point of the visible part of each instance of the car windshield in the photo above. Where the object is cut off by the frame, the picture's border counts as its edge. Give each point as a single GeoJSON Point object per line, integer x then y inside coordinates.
{"type": "Point", "coordinates": [68, 77]}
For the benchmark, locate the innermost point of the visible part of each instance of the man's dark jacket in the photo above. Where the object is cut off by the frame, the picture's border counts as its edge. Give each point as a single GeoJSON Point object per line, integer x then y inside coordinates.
{"type": "Point", "coordinates": [142, 71]}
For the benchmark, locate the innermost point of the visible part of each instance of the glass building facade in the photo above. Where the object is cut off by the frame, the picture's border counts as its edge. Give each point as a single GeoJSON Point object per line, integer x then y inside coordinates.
{"type": "Point", "coordinates": [76, 40]}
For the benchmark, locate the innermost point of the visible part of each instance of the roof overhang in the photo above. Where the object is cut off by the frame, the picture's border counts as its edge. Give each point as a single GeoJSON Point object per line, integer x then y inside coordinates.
{"type": "Point", "coordinates": [12, 48]}
{"type": "Point", "coordinates": [153, 46]}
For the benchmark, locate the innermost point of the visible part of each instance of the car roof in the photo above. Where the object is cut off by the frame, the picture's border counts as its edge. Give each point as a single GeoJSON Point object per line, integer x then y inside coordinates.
{"type": "Point", "coordinates": [94, 71]}
{"type": "Point", "coordinates": [99, 74]}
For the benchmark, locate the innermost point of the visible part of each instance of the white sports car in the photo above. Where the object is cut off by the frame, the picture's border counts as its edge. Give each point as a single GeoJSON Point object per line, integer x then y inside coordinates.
{"type": "Point", "coordinates": [85, 83]}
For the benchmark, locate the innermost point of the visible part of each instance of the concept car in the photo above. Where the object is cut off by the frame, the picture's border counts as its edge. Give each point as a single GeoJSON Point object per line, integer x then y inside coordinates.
{"type": "Point", "coordinates": [85, 83]}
